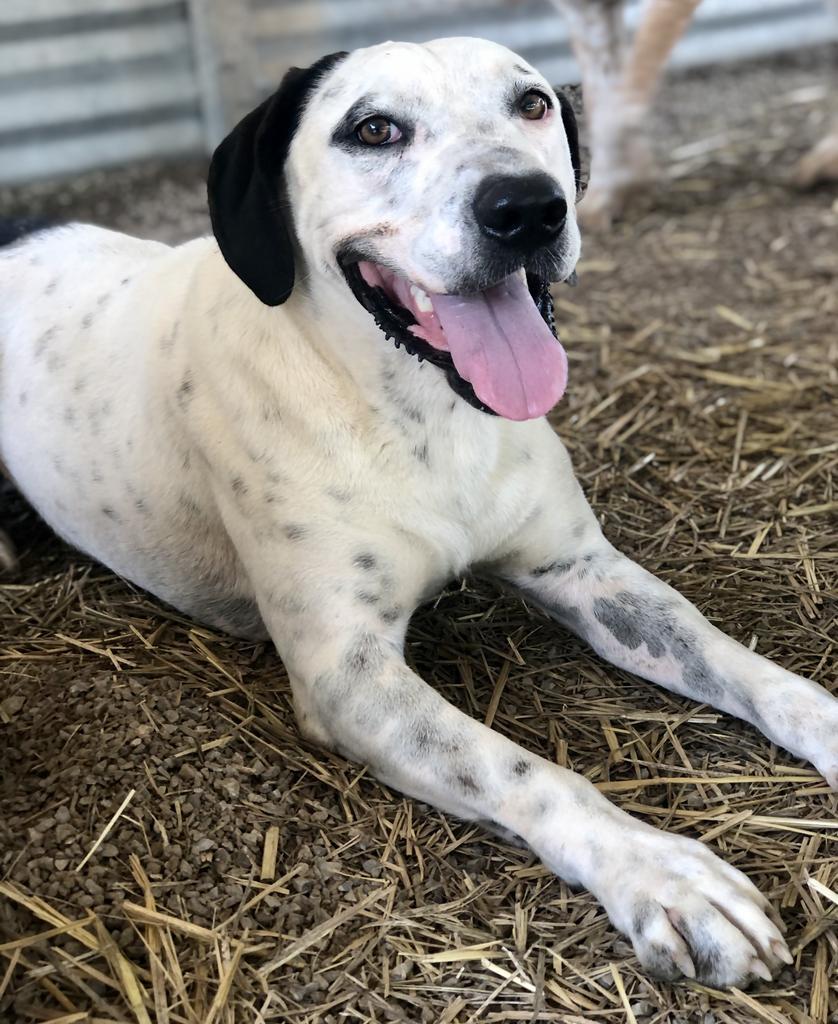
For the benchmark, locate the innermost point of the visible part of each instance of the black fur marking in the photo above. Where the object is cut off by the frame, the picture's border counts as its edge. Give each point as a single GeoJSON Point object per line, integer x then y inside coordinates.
{"type": "Point", "coordinates": [364, 654]}
{"type": "Point", "coordinates": [468, 784]}
{"type": "Point", "coordinates": [367, 597]}
{"type": "Point", "coordinates": [365, 560]}
{"type": "Point", "coordinates": [43, 341]}
{"type": "Point", "coordinates": [421, 453]}
{"type": "Point", "coordinates": [87, 321]}
{"type": "Point", "coordinates": [633, 621]}
{"type": "Point", "coordinates": [109, 513]}
{"type": "Point", "coordinates": [185, 393]}
{"type": "Point", "coordinates": [238, 486]}
{"type": "Point", "coordinates": [249, 218]}
{"type": "Point", "coordinates": [391, 615]}
{"type": "Point", "coordinates": [521, 768]}
{"type": "Point", "coordinates": [294, 532]}
{"type": "Point", "coordinates": [51, 286]}
{"type": "Point", "coordinates": [659, 963]}
{"type": "Point", "coordinates": [643, 913]}
{"type": "Point", "coordinates": [559, 568]}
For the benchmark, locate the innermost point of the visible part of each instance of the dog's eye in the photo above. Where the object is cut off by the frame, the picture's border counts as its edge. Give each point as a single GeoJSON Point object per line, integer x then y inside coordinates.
{"type": "Point", "coordinates": [533, 106]}
{"type": "Point", "coordinates": [377, 131]}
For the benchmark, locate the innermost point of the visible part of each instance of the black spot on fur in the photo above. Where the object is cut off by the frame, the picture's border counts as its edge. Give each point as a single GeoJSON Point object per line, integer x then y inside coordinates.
{"type": "Point", "coordinates": [22, 398]}
{"type": "Point", "coordinates": [468, 784]}
{"type": "Point", "coordinates": [238, 486]}
{"type": "Point", "coordinates": [633, 621]}
{"type": "Point", "coordinates": [641, 916]}
{"type": "Point", "coordinates": [390, 615]}
{"type": "Point", "coordinates": [185, 393]}
{"type": "Point", "coordinates": [622, 616]}
{"type": "Point", "coordinates": [295, 532]}
{"type": "Point", "coordinates": [365, 560]}
{"type": "Point", "coordinates": [552, 568]}
{"type": "Point", "coordinates": [87, 321]}
{"type": "Point", "coordinates": [341, 496]}
{"type": "Point", "coordinates": [43, 341]}
{"type": "Point", "coordinates": [364, 654]}
{"type": "Point", "coordinates": [421, 453]}
{"type": "Point", "coordinates": [125, 280]}
{"type": "Point", "coordinates": [521, 767]}
{"type": "Point", "coordinates": [51, 286]}
{"type": "Point", "coordinates": [109, 513]}
{"type": "Point", "coordinates": [659, 963]}
{"type": "Point", "coordinates": [367, 597]}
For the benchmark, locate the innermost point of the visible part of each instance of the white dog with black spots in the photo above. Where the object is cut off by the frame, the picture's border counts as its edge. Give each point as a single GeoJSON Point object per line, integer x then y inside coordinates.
{"type": "Point", "coordinates": [309, 461]}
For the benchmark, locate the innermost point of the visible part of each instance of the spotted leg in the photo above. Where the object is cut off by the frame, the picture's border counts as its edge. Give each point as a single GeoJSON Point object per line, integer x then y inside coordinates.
{"type": "Point", "coordinates": [820, 164]}
{"type": "Point", "coordinates": [639, 623]}
{"type": "Point", "coordinates": [619, 83]}
{"type": "Point", "coordinates": [338, 612]}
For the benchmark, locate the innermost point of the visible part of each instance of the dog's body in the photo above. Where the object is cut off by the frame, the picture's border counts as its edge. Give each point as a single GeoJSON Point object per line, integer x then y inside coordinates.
{"type": "Point", "coordinates": [279, 467]}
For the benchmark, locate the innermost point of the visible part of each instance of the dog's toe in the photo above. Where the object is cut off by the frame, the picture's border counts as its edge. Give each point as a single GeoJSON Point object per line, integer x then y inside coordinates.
{"type": "Point", "coordinates": [690, 915]}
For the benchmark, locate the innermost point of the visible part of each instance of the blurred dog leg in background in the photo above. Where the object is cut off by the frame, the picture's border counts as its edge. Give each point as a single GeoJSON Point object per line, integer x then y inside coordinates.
{"type": "Point", "coordinates": [619, 81]}
{"type": "Point", "coordinates": [821, 162]}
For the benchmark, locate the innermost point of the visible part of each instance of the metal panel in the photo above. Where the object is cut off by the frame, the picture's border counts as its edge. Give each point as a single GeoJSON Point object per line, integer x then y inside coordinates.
{"type": "Point", "coordinates": [285, 32]}
{"type": "Point", "coordinates": [87, 83]}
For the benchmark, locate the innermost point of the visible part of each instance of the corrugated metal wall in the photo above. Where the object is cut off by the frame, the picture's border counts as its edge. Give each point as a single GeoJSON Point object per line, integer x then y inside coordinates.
{"type": "Point", "coordinates": [86, 83]}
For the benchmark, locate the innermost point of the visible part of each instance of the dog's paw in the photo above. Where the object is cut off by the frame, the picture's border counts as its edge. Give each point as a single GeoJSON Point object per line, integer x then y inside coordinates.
{"type": "Point", "coordinates": [691, 915]}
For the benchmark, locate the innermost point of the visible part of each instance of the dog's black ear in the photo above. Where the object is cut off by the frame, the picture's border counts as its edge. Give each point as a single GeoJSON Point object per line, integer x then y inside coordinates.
{"type": "Point", "coordinates": [245, 190]}
{"type": "Point", "coordinates": [572, 132]}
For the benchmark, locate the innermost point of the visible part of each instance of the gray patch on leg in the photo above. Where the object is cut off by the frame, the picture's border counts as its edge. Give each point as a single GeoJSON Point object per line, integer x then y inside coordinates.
{"type": "Point", "coordinates": [552, 569]}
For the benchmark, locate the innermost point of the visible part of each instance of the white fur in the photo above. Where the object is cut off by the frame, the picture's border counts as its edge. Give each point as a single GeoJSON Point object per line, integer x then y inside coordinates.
{"type": "Point", "coordinates": [287, 470]}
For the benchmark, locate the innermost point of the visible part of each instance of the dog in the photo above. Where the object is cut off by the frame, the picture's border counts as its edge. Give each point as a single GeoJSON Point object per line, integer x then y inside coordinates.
{"type": "Point", "coordinates": [620, 80]}
{"type": "Point", "coordinates": [302, 427]}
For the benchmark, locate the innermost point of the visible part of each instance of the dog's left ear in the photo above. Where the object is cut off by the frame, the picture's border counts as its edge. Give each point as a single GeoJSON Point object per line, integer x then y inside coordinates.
{"type": "Point", "coordinates": [572, 132]}
{"type": "Point", "coordinates": [244, 187]}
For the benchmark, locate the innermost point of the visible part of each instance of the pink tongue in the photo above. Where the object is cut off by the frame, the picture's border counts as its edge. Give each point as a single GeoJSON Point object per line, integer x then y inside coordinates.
{"type": "Point", "coordinates": [502, 346]}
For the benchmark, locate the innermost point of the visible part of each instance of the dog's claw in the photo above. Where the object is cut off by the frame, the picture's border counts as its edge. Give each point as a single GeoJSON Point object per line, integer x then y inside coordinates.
{"type": "Point", "coordinates": [781, 951]}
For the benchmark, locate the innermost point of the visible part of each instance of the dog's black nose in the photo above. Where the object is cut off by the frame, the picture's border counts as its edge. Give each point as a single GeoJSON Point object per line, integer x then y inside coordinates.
{"type": "Point", "coordinates": [523, 212]}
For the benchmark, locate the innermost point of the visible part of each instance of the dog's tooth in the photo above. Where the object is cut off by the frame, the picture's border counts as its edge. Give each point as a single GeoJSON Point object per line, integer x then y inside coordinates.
{"type": "Point", "coordinates": [423, 303]}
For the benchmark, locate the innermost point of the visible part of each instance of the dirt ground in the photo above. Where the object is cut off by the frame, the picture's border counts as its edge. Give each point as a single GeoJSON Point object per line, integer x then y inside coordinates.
{"type": "Point", "coordinates": [250, 877]}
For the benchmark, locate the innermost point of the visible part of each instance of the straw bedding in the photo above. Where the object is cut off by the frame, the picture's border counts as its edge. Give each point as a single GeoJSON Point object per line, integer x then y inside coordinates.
{"type": "Point", "coordinates": [171, 851]}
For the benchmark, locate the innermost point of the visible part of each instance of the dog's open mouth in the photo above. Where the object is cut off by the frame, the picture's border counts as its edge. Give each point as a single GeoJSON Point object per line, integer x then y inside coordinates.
{"type": "Point", "coordinates": [498, 347]}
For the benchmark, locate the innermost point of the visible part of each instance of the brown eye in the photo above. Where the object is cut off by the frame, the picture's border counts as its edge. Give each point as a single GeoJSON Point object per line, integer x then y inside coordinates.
{"type": "Point", "coordinates": [377, 130]}
{"type": "Point", "coordinates": [533, 106]}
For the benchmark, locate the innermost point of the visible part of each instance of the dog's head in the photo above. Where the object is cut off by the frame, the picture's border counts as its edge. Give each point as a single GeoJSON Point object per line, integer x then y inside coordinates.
{"type": "Point", "coordinates": [438, 182]}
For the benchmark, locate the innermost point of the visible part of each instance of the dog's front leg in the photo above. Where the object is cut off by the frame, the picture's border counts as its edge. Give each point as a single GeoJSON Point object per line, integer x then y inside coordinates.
{"type": "Point", "coordinates": [686, 912]}
{"type": "Point", "coordinates": [641, 624]}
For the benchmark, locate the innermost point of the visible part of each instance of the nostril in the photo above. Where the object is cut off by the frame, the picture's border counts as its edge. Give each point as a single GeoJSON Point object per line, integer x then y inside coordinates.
{"type": "Point", "coordinates": [506, 220]}
{"type": "Point", "coordinates": [555, 213]}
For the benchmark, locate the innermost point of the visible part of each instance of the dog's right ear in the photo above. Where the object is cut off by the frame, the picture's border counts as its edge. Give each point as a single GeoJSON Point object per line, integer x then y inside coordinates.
{"type": "Point", "coordinates": [571, 130]}
{"type": "Point", "coordinates": [244, 187]}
